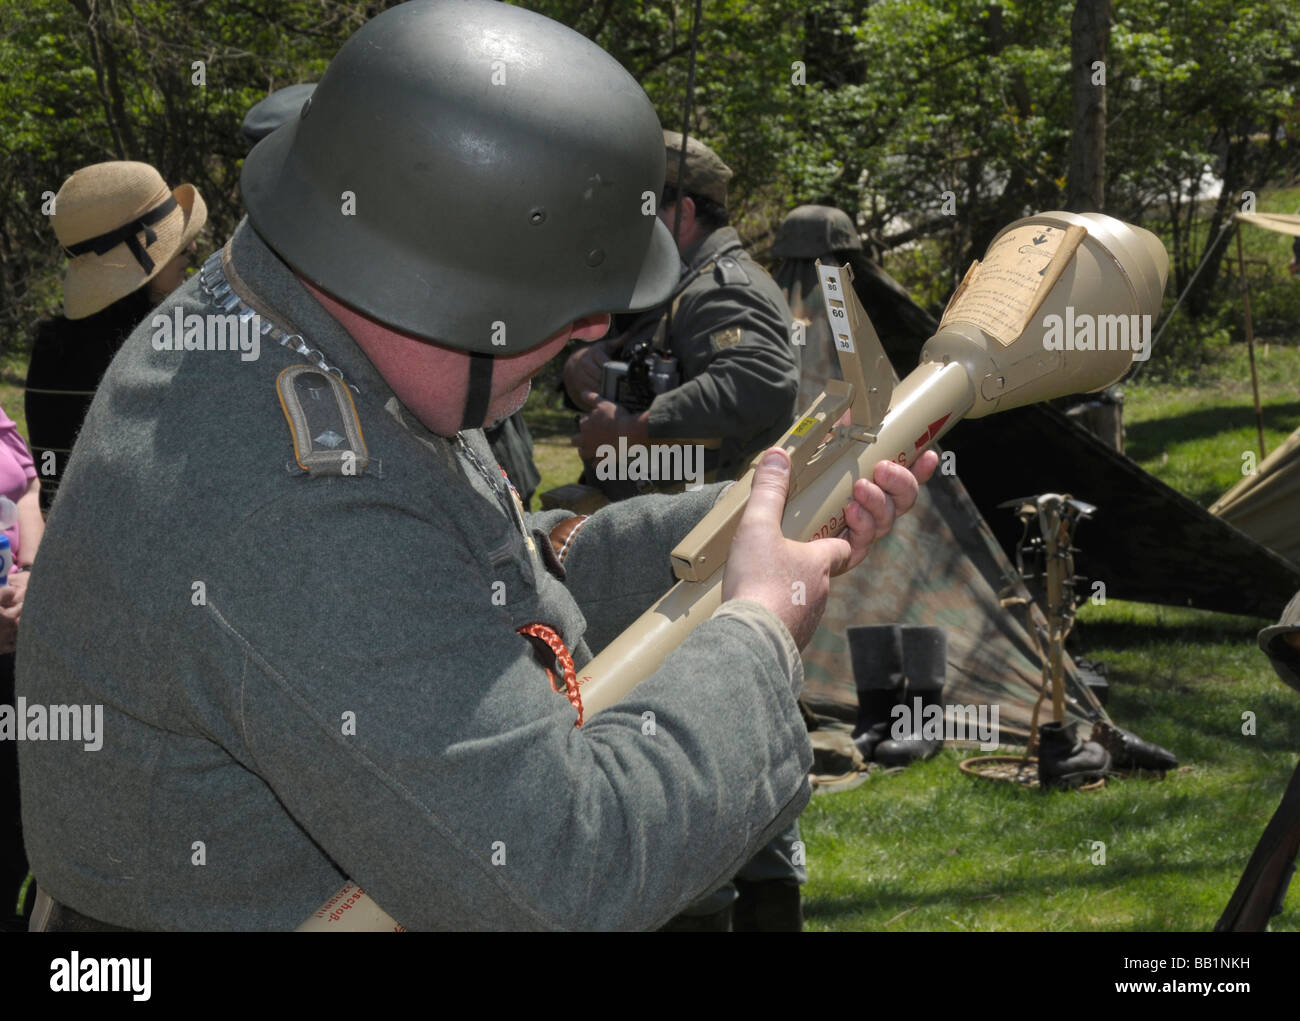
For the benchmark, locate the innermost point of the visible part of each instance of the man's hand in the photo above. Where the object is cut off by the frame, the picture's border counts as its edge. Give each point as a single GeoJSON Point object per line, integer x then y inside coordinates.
{"type": "Point", "coordinates": [605, 423]}
{"type": "Point", "coordinates": [792, 579]}
{"type": "Point", "coordinates": [11, 608]}
{"type": "Point", "coordinates": [582, 374]}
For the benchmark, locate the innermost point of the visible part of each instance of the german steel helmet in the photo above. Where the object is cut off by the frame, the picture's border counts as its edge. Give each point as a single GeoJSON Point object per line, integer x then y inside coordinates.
{"type": "Point", "coordinates": [811, 231]}
{"type": "Point", "coordinates": [470, 173]}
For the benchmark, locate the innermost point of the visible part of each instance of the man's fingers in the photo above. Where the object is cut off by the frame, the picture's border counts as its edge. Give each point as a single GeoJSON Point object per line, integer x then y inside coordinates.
{"type": "Point", "coordinates": [861, 534]}
{"type": "Point", "coordinates": [925, 466]}
{"type": "Point", "coordinates": [877, 504]}
{"type": "Point", "coordinates": [899, 483]}
{"type": "Point", "coordinates": [768, 491]}
{"type": "Point", "coordinates": [839, 553]}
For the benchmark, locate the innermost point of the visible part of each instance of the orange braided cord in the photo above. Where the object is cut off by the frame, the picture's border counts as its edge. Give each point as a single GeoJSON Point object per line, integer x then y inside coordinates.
{"type": "Point", "coordinates": [563, 659]}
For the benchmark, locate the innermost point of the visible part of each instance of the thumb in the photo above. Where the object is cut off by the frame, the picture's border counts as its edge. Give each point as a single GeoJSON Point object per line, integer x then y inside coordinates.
{"type": "Point", "coordinates": [769, 488]}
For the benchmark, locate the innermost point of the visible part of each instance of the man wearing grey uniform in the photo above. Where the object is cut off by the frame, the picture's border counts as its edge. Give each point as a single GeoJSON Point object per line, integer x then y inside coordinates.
{"type": "Point", "coordinates": [320, 628]}
{"type": "Point", "coordinates": [725, 328]}
{"type": "Point", "coordinates": [726, 331]}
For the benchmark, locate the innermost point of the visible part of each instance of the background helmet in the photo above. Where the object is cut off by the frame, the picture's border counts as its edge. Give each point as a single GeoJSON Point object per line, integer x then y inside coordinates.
{"type": "Point", "coordinates": [470, 173]}
{"type": "Point", "coordinates": [811, 231]}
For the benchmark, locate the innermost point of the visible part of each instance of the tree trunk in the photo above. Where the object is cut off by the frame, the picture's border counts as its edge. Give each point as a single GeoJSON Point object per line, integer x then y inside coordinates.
{"type": "Point", "coordinates": [110, 87]}
{"type": "Point", "coordinates": [1089, 38]}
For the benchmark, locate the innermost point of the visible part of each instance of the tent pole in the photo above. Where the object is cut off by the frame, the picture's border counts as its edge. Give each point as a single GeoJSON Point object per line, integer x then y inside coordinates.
{"type": "Point", "coordinates": [1250, 343]}
{"type": "Point", "coordinates": [1054, 525]}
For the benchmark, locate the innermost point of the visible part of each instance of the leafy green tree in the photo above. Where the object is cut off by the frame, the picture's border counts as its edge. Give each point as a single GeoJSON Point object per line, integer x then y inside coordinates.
{"type": "Point", "coordinates": [930, 120]}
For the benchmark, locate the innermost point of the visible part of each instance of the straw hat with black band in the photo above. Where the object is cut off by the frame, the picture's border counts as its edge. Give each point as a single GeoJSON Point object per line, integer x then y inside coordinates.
{"type": "Point", "coordinates": [120, 225]}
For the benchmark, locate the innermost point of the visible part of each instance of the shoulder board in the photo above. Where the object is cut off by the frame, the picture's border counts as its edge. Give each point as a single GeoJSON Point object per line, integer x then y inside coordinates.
{"type": "Point", "coordinates": [323, 422]}
{"type": "Point", "coordinates": [728, 270]}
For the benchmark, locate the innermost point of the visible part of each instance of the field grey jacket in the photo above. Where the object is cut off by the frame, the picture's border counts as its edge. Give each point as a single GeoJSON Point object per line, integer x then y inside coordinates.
{"type": "Point", "coordinates": [307, 679]}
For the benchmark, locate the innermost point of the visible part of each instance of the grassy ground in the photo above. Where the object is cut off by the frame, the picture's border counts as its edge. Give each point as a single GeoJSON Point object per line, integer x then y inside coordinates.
{"type": "Point", "coordinates": [1192, 434]}
{"type": "Point", "coordinates": [931, 848]}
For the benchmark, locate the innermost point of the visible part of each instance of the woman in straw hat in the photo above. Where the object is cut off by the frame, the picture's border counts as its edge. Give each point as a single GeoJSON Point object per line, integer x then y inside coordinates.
{"type": "Point", "coordinates": [129, 239]}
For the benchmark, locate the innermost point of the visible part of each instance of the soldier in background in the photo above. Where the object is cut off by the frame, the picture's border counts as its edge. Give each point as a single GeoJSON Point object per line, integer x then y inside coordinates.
{"type": "Point", "coordinates": [806, 234]}
{"type": "Point", "coordinates": [725, 374]}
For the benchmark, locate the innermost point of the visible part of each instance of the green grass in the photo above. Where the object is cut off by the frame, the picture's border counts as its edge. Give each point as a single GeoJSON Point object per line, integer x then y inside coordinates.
{"type": "Point", "coordinates": [1192, 434]}
{"type": "Point", "coordinates": [931, 848]}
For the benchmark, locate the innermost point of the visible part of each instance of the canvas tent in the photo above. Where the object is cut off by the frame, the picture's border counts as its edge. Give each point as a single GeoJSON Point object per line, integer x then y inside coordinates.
{"type": "Point", "coordinates": [1281, 223]}
{"type": "Point", "coordinates": [1266, 505]}
{"type": "Point", "coordinates": [939, 566]}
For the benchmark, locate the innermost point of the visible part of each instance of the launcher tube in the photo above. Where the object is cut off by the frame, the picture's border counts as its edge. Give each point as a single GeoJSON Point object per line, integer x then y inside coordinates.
{"type": "Point", "coordinates": [930, 401]}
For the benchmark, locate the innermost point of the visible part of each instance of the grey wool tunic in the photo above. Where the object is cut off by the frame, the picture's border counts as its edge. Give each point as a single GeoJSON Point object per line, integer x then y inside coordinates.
{"type": "Point", "coordinates": [308, 679]}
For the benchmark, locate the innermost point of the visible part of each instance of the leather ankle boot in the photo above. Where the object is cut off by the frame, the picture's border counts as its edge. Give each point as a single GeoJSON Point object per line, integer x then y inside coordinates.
{"type": "Point", "coordinates": [1128, 751]}
{"type": "Point", "coordinates": [1064, 760]}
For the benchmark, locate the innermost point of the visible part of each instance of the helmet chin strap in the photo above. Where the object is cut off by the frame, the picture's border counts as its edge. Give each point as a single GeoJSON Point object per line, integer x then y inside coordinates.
{"type": "Point", "coordinates": [479, 391]}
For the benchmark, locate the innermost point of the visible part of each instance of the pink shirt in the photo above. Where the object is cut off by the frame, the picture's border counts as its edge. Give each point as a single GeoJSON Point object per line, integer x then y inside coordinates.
{"type": "Point", "coordinates": [17, 469]}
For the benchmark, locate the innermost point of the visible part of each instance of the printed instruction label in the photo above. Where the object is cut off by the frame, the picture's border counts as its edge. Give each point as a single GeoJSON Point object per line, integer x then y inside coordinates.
{"type": "Point", "coordinates": [1001, 294]}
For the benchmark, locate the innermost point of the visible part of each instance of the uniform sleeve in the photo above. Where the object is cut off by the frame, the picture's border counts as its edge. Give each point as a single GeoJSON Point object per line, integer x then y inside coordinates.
{"type": "Point", "coordinates": [742, 374]}
{"type": "Point", "coordinates": [465, 797]}
{"type": "Point", "coordinates": [618, 561]}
